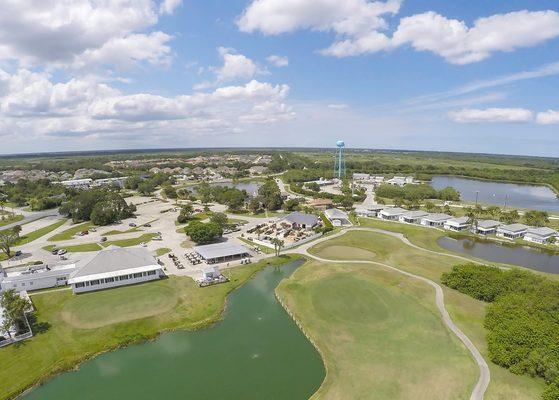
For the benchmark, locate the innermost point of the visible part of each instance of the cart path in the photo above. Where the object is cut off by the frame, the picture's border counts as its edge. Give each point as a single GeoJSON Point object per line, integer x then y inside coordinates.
{"type": "Point", "coordinates": [484, 374]}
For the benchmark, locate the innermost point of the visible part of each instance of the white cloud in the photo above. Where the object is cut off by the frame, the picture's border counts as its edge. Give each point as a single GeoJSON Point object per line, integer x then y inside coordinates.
{"type": "Point", "coordinates": [169, 6]}
{"type": "Point", "coordinates": [469, 115]}
{"type": "Point", "coordinates": [548, 117]}
{"type": "Point", "coordinates": [338, 106]}
{"type": "Point", "coordinates": [31, 104]}
{"type": "Point", "coordinates": [235, 66]}
{"type": "Point", "coordinates": [278, 61]}
{"type": "Point", "coordinates": [359, 26]}
{"type": "Point", "coordinates": [69, 33]}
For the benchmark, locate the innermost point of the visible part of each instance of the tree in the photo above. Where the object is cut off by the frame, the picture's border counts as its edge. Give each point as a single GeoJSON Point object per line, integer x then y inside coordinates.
{"type": "Point", "coordinates": [8, 238]}
{"type": "Point", "coordinates": [219, 218]}
{"type": "Point", "coordinates": [170, 191]}
{"type": "Point", "coordinates": [202, 233]}
{"type": "Point", "coordinates": [186, 213]}
{"type": "Point", "coordinates": [472, 217]}
{"type": "Point", "coordinates": [291, 205]}
{"type": "Point", "coordinates": [132, 183]}
{"type": "Point", "coordinates": [205, 193]}
{"type": "Point", "coordinates": [270, 195]}
{"type": "Point", "coordinates": [315, 187]}
{"type": "Point", "coordinates": [147, 187]}
{"type": "Point", "coordinates": [254, 205]}
{"type": "Point", "coordinates": [493, 211]}
{"type": "Point", "coordinates": [509, 217]}
{"type": "Point", "coordinates": [449, 194]}
{"type": "Point", "coordinates": [278, 245]}
{"type": "Point", "coordinates": [536, 218]}
{"type": "Point", "coordinates": [14, 309]}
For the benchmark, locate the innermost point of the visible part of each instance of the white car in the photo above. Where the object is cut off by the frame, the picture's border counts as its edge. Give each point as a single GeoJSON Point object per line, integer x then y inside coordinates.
{"type": "Point", "coordinates": [143, 244]}
{"type": "Point", "coordinates": [61, 252]}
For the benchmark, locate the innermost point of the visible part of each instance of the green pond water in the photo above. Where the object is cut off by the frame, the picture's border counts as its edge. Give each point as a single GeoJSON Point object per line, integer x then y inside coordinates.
{"type": "Point", "coordinates": [255, 352]}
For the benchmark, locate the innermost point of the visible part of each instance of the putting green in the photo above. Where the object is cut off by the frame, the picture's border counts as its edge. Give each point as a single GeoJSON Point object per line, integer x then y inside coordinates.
{"type": "Point", "coordinates": [380, 334]}
{"type": "Point", "coordinates": [96, 309]}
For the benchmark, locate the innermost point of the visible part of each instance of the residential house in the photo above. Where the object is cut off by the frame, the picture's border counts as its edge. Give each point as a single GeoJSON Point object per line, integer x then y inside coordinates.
{"type": "Point", "coordinates": [486, 226]}
{"type": "Point", "coordinates": [337, 217]}
{"type": "Point", "coordinates": [435, 220]}
{"type": "Point", "coordinates": [541, 235]}
{"type": "Point", "coordinates": [412, 217]}
{"type": "Point", "coordinates": [457, 224]}
{"type": "Point", "coordinates": [391, 213]}
{"type": "Point", "coordinates": [512, 231]}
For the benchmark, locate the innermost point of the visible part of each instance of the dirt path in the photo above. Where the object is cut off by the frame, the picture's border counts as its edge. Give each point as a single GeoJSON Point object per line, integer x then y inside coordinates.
{"type": "Point", "coordinates": [484, 374]}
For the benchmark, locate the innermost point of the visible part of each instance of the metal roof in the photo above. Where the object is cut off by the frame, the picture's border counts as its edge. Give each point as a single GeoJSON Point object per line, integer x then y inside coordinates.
{"type": "Point", "coordinates": [335, 214]}
{"type": "Point", "coordinates": [114, 261]}
{"type": "Point", "coordinates": [513, 227]}
{"type": "Point", "coordinates": [487, 223]}
{"type": "Point", "coordinates": [437, 217]}
{"type": "Point", "coordinates": [415, 214]}
{"type": "Point", "coordinates": [542, 231]}
{"type": "Point", "coordinates": [459, 220]}
{"type": "Point", "coordinates": [220, 250]}
{"type": "Point", "coordinates": [302, 219]}
{"type": "Point", "coordinates": [393, 211]}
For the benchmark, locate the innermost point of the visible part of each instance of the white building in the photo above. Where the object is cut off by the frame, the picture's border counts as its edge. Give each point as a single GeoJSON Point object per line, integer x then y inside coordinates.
{"type": "Point", "coordinates": [486, 227]}
{"type": "Point", "coordinates": [541, 235]}
{"type": "Point", "coordinates": [435, 220]}
{"type": "Point", "coordinates": [337, 217]}
{"type": "Point", "coordinates": [78, 183]}
{"type": "Point", "coordinates": [512, 231]}
{"type": "Point", "coordinates": [457, 224]}
{"type": "Point", "coordinates": [412, 217]}
{"type": "Point", "coordinates": [35, 277]}
{"type": "Point", "coordinates": [221, 252]}
{"type": "Point", "coordinates": [400, 180]}
{"type": "Point", "coordinates": [114, 267]}
{"type": "Point", "coordinates": [363, 212]}
{"type": "Point", "coordinates": [391, 213]}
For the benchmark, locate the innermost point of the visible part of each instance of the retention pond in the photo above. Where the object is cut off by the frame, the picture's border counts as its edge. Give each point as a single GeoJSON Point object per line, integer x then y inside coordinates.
{"type": "Point", "coordinates": [524, 256]}
{"type": "Point", "coordinates": [255, 352]}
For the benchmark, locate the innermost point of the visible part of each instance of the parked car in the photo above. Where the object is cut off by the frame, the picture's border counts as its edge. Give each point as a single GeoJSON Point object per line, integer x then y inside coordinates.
{"type": "Point", "coordinates": [103, 238]}
{"type": "Point", "coordinates": [147, 225]}
{"type": "Point", "coordinates": [143, 244]}
{"type": "Point", "coordinates": [93, 229]}
{"type": "Point", "coordinates": [54, 251]}
{"type": "Point", "coordinates": [18, 253]}
{"type": "Point", "coordinates": [132, 224]}
{"type": "Point", "coordinates": [63, 257]}
{"type": "Point", "coordinates": [62, 252]}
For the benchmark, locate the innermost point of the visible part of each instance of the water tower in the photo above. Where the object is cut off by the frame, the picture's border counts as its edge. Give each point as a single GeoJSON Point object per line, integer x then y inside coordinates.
{"type": "Point", "coordinates": [339, 162]}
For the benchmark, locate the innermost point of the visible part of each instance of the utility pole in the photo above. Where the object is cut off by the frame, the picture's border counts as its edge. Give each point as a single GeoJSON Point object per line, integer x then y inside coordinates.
{"type": "Point", "coordinates": [477, 194]}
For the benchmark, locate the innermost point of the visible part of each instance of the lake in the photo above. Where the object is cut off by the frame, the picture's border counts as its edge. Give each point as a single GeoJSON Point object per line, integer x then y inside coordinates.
{"type": "Point", "coordinates": [517, 195]}
{"type": "Point", "coordinates": [256, 352]}
{"type": "Point", "coordinates": [529, 257]}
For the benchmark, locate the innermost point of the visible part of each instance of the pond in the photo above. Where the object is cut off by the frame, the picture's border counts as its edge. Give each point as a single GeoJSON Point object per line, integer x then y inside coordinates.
{"type": "Point", "coordinates": [255, 352]}
{"type": "Point", "coordinates": [529, 257]}
{"type": "Point", "coordinates": [497, 193]}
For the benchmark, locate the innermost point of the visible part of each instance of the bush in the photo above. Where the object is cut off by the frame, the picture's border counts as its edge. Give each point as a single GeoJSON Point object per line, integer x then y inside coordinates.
{"type": "Point", "coordinates": [203, 233]}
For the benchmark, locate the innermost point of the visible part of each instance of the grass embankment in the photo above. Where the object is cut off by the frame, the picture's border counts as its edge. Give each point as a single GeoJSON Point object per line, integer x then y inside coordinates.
{"type": "Point", "coordinates": [466, 312]}
{"type": "Point", "coordinates": [71, 328]}
{"type": "Point", "coordinates": [10, 220]}
{"type": "Point", "coordinates": [31, 236]}
{"type": "Point", "coordinates": [379, 333]}
{"type": "Point", "coordinates": [70, 232]}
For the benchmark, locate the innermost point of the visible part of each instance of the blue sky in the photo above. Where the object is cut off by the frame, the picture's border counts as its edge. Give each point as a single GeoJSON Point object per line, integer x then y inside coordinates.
{"type": "Point", "coordinates": [471, 76]}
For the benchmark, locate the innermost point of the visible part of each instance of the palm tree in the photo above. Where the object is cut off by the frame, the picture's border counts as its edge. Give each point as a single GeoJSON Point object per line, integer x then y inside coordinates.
{"type": "Point", "coordinates": [472, 215]}
{"type": "Point", "coordinates": [278, 245]}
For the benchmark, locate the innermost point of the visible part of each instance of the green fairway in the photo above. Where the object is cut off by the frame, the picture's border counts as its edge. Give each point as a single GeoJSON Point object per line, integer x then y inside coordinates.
{"type": "Point", "coordinates": [31, 236]}
{"type": "Point", "coordinates": [466, 312]}
{"type": "Point", "coordinates": [380, 334]}
{"type": "Point", "coordinates": [70, 232]}
{"type": "Point", "coordinates": [70, 328]}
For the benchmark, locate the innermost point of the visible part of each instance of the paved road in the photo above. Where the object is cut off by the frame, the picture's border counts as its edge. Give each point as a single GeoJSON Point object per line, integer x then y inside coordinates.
{"type": "Point", "coordinates": [484, 374]}
{"type": "Point", "coordinates": [32, 216]}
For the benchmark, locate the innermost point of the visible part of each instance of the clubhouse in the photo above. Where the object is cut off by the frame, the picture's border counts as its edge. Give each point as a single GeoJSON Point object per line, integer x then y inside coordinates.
{"type": "Point", "coordinates": [115, 267]}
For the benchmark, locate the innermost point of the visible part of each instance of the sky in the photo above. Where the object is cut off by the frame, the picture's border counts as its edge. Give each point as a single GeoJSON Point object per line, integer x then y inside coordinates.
{"type": "Point", "coordinates": [462, 75]}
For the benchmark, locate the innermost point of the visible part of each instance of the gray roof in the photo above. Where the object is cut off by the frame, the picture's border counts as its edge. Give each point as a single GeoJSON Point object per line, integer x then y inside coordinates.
{"type": "Point", "coordinates": [438, 217]}
{"type": "Point", "coordinates": [415, 214]}
{"type": "Point", "coordinates": [302, 219]}
{"type": "Point", "coordinates": [113, 259]}
{"type": "Point", "coordinates": [514, 227]}
{"type": "Point", "coordinates": [543, 231]}
{"type": "Point", "coordinates": [335, 213]}
{"type": "Point", "coordinates": [393, 211]}
{"type": "Point", "coordinates": [219, 250]}
{"type": "Point", "coordinates": [487, 223]}
{"type": "Point", "coordinates": [459, 220]}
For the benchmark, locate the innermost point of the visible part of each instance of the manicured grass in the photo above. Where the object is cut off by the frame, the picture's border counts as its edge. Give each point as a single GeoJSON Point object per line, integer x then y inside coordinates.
{"type": "Point", "coordinates": [31, 236]}
{"type": "Point", "coordinates": [146, 237]}
{"type": "Point", "coordinates": [77, 248]}
{"type": "Point", "coordinates": [119, 317]}
{"type": "Point", "coordinates": [10, 220]}
{"type": "Point", "coordinates": [379, 333]}
{"type": "Point", "coordinates": [70, 232]}
{"type": "Point", "coordinates": [162, 251]}
{"type": "Point", "coordinates": [131, 230]}
{"type": "Point", "coordinates": [467, 313]}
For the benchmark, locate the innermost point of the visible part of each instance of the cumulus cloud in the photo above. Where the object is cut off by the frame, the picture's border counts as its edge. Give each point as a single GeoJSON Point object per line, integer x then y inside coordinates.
{"type": "Point", "coordinates": [338, 106]}
{"type": "Point", "coordinates": [30, 102]}
{"type": "Point", "coordinates": [360, 27]}
{"type": "Point", "coordinates": [235, 66]}
{"type": "Point", "coordinates": [278, 61]}
{"type": "Point", "coordinates": [169, 6]}
{"type": "Point", "coordinates": [78, 33]}
{"type": "Point", "coordinates": [548, 117]}
{"type": "Point", "coordinates": [470, 115]}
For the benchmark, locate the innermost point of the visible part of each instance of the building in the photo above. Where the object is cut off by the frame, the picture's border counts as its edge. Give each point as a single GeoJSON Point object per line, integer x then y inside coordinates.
{"type": "Point", "coordinates": [435, 220]}
{"type": "Point", "coordinates": [457, 224]}
{"type": "Point", "coordinates": [35, 277]}
{"type": "Point", "coordinates": [337, 217]}
{"type": "Point", "coordinates": [78, 183]}
{"type": "Point", "coordinates": [115, 266]}
{"type": "Point", "coordinates": [400, 180]}
{"type": "Point", "coordinates": [257, 170]}
{"type": "Point", "coordinates": [512, 231]}
{"type": "Point", "coordinates": [210, 272]}
{"type": "Point", "coordinates": [412, 217]}
{"type": "Point", "coordinates": [391, 213]}
{"type": "Point", "coordinates": [541, 235]}
{"type": "Point", "coordinates": [486, 227]}
{"type": "Point", "coordinates": [361, 177]}
{"type": "Point", "coordinates": [321, 204]}
{"type": "Point", "coordinates": [375, 209]}
{"type": "Point", "coordinates": [300, 220]}
{"type": "Point", "coordinates": [364, 212]}
{"type": "Point", "coordinates": [221, 252]}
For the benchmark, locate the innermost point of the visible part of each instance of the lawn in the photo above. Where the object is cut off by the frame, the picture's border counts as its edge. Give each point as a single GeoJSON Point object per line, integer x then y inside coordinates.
{"type": "Point", "coordinates": [70, 328]}
{"type": "Point", "coordinates": [31, 236]}
{"type": "Point", "coordinates": [146, 237]}
{"type": "Point", "coordinates": [70, 232]}
{"type": "Point", "coordinates": [76, 248]}
{"type": "Point", "coordinates": [467, 313]}
{"type": "Point", "coordinates": [10, 220]}
{"type": "Point", "coordinates": [131, 230]}
{"type": "Point", "coordinates": [379, 333]}
{"type": "Point", "coordinates": [162, 251]}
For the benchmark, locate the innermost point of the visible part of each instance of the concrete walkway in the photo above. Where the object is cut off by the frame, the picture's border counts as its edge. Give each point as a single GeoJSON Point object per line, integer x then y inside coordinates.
{"type": "Point", "coordinates": [484, 374]}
